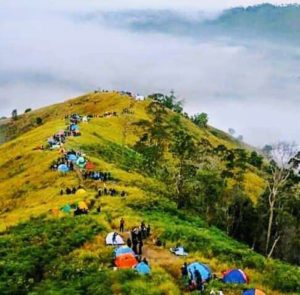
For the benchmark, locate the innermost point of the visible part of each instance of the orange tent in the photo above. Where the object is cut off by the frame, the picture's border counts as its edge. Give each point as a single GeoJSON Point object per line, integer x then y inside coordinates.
{"type": "Point", "coordinates": [126, 260]}
{"type": "Point", "coordinates": [90, 166]}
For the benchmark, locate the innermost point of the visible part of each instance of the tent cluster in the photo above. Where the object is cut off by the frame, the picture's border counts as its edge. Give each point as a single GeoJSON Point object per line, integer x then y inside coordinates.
{"type": "Point", "coordinates": [67, 162]}
{"type": "Point", "coordinates": [125, 257]}
{"type": "Point", "coordinates": [109, 114]}
{"type": "Point", "coordinates": [196, 274]}
{"type": "Point", "coordinates": [122, 92]}
{"type": "Point", "coordinates": [58, 139]}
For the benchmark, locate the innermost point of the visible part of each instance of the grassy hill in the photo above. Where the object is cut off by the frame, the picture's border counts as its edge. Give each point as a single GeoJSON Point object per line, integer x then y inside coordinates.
{"type": "Point", "coordinates": [46, 253]}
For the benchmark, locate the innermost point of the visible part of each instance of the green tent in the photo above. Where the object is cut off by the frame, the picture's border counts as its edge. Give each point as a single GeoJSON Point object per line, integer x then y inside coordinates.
{"type": "Point", "coordinates": [66, 208]}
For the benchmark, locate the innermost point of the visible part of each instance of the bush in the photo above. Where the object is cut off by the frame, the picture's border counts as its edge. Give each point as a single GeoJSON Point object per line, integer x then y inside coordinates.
{"type": "Point", "coordinates": [27, 249]}
{"type": "Point", "coordinates": [39, 121]}
{"type": "Point", "coordinates": [28, 110]}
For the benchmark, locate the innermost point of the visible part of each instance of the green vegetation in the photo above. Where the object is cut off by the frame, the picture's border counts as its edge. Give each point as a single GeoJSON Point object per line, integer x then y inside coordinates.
{"type": "Point", "coordinates": [29, 248]}
{"type": "Point", "coordinates": [195, 186]}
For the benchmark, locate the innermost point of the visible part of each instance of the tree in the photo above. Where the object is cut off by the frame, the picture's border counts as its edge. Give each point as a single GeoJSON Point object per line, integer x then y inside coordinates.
{"type": "Point", "coordinates": [182, 148]}
{"type": "Point", "coordinates": [169, 101]}
{"type": "Point", "coordinates": [153, 141]}
{"type": "Point", "coordinates": [281, 168]}
{"type": "Point", "coordinates": [231, 131]}
{"type": "Point", "coordinates": [240, 138]}
{"type": "Point", "coordinates": [256, 160]}
{"type": "Point", "coordinates": [201, 120]}
{"type": "Point", "coordinates": [242, 216]}
{"type": "Point", "coordinates": [39, 121]}
{"type": "Point", "coordinates": [208, 186]}
{"type": "Point", "coordinates": [14, 114]}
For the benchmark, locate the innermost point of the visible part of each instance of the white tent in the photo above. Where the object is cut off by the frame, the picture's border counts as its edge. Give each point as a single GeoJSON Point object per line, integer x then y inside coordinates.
{"type": "Point", "coordinates": [85, 119]}
{"type": "Point", "coordinates": [179, 251]}
{"type": "Point", "coordinates": [139, 97]}
{"type": "Point", "coordinates": [109, 239]}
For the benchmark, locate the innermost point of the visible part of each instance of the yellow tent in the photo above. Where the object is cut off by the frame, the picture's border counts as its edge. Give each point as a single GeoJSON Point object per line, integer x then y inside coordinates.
{"type": "Point", "coordinates": [80, 192]}
{"type": "Point", "coordinates": [82, 206]}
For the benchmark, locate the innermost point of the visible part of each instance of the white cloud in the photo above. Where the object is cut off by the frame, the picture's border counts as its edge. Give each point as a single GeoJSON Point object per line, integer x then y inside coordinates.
{"type": "Point", "coordinates": [253, 90]}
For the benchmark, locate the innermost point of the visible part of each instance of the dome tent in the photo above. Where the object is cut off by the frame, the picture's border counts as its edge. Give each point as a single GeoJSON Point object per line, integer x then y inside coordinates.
{"type": "Point", "coordinates": [80, 192]}
{"type": "Point", "coordinates": [72, 157]}
{"type": "Point", "coordinates": [82, 206]}
{"type": "Point", "coordinates": [109, 239]}
{"type": "Point", "coordinates": [81, 162]}
{"type": "Point", "coordinates": [123, 250]}
{"type": "Point", "coordinates": [126, 261]}
{"type": "Point", "coordinates": [74, 127]}
{"type": "Point", "coordinates": [202, 268]}
{"type": "Point", "coordinates": [253, 292]}
{"type": "Point", "coordinates": [143, 268]}
{"type": "Point", "coordinates": [235, 276]}
{"type": "Point", "coordinates": [66, 209]}
{"type": "Point", "coordinates": [63, 168]}
{"type": "Point", "coordinates": [90, 166]}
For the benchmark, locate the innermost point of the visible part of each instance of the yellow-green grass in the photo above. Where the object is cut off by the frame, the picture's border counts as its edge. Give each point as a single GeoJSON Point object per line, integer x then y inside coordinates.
{"type": "Point", "coordinates": [28, 188]}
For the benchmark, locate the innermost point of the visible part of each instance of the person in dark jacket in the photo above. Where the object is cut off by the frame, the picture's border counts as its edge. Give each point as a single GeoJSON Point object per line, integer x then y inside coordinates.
{"type": "Point", "coordinates": [122, 224]}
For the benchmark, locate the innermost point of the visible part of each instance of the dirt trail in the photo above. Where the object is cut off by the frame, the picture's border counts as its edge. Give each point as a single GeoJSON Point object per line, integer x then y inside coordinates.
{"type": "Point", "coordinates": [160, 256]}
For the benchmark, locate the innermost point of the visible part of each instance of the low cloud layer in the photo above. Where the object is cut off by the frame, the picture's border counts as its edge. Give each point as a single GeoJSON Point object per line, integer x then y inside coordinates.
{"type": "Point", "coordinates": [48, 55]}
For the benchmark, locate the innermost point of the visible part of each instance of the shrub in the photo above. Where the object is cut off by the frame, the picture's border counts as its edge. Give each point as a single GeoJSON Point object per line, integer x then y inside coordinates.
{"type": "Point", "coordinates": [27, 249]}
{"type": "Point", "coordinates": [39, 121]}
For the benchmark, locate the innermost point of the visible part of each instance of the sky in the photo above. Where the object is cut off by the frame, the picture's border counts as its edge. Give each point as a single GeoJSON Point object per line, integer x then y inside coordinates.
{"type": "Point", "coordinates": [47, 55]}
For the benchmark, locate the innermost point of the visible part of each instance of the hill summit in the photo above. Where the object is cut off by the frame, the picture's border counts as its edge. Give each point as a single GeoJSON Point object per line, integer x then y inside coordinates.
{"type": "Point", "coordinates": [81, 179]}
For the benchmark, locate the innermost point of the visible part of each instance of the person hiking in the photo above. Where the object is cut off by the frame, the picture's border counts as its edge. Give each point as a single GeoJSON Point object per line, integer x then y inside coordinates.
{"type": "Point", "coordinates": [122, 224]}
{"type": "Point", "coordinates": [141, 247]}
{"type": "Point", "coordinates": [145, 261]}
{"type": "Point", "coordinates": [114, 238]}
{"type": "Point", "coordinates": [134, 246]}
{"type": "Point", "coordinates": [129, 243]}
{"type": "Point", "coordinates": [148, 230]}
{"type": "Point", "coordinates": [184, 270]}
{"type": "Point", "coordinates": [198, 280]}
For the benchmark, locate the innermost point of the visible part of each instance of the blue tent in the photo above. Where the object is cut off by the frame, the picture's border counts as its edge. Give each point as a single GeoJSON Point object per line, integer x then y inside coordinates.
{"type": "Point", "coordinates": [72, 157]}
{"type": "Point", "coordinates": [235, 276]}
{"type": "Point", "coordinates": [123, 250]}
{"type": "Point", "coordinates": [202, 268]}
{"type": "Point", "coordinates": [143, 268]}
{"type": "Point", "coordinates": [253, 292]}
{"type": "Point", "coordinates": [74, 127]}
{"type": "Point", "coordinates": [63, 168]}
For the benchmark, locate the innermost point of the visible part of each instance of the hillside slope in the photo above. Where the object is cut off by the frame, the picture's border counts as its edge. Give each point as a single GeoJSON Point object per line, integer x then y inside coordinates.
{"type": "Point", "coordinates": [81, 263]}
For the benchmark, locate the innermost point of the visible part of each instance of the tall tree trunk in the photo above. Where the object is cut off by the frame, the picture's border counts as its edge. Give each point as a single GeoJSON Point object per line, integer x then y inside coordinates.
{"type": "Point", "coordinates": [270, 224]}
{"type": "Point", "coordinates": [273, 247]}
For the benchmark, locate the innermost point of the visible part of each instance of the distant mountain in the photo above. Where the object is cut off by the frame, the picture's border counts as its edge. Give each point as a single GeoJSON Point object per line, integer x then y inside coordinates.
{"type": "Point", "coordinates": [263, 21]}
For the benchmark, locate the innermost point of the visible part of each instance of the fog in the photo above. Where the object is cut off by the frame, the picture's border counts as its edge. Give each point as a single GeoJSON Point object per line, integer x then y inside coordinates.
{"type": "Point", "coordinates": [47, 54]}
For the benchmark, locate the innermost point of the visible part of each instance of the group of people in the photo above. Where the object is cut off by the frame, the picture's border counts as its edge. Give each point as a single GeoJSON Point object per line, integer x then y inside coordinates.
{"type": "Point", "coordinates": [70, 191]}
{"type": "Point", "coordinates": [109, 192]}
{"type": "Point", "coordinates": [96, 175]}
{"type": "Point", "coordinates": [57, 140]}
{"type": "Point", "coordinates": [62, 161]}
{"type": "Point", "coordinates": [65, 159]}
{"type": "Point", "coordinates": [137, 235]}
